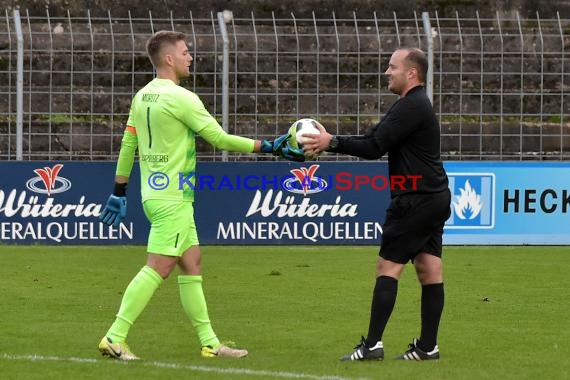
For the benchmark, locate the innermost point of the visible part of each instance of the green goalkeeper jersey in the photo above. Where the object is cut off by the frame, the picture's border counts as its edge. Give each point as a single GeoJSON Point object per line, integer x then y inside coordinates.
{"type": "Point", "coordinates": [163, 122]}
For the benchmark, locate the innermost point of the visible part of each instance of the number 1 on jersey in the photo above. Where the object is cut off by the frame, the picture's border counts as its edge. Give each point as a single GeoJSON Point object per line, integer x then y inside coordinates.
{"type": "Point", "coordinates": [148, 126]}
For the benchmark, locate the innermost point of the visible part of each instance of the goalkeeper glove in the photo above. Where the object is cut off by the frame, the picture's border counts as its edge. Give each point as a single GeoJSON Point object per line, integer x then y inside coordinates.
{"type": "Point", "coordinates": [274, 147]}
{"type": "Point", "coordinates": [292, 154]}
{"type": "Point", "coordinates": [116, 208]}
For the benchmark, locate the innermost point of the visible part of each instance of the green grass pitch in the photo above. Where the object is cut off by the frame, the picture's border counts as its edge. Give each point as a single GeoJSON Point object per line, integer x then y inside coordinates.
{"type": "Point", "coordinates": [297, 310]}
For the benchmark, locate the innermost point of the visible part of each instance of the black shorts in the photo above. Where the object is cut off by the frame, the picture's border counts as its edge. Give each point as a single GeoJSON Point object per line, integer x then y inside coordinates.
{"type": "Point", "coordinates": [414, 224]}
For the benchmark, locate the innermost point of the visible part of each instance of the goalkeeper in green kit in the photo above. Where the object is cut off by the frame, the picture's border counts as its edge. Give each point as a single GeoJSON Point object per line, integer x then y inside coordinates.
{"type": "Point", "coordinates": [163, 121]}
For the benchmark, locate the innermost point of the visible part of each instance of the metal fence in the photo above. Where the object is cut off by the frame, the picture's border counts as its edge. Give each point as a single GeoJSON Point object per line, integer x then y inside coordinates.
{"type": "Point", "coordinates": [499, 84]}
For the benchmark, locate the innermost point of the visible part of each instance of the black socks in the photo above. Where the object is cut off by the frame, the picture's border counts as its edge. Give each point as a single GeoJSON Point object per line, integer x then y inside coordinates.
{"type": "Point", "coordinates": [383, 301]}
{"type": "Point", "coordinates": [432, 308]}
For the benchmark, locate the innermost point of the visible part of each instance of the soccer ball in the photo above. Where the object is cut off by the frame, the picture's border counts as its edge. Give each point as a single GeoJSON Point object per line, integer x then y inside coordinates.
{"type": "Point", "coordinates": [299, 128]}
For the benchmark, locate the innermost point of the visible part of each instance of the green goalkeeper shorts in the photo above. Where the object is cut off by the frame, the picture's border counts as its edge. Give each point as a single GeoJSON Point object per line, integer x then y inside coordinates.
{"type": "Point", "coordinates": [172, 227]}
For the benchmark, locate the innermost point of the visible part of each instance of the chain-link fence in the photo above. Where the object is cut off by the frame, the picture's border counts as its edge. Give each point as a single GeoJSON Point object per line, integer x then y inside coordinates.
{"type": "Point", "coordinates": [499, 84]}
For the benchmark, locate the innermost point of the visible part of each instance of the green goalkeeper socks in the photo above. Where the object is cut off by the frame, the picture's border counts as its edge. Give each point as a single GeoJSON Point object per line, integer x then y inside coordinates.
{"type": "Point", "coordinates": [194, 304]}
{"type": "Point", "coordinates": [136, 297]}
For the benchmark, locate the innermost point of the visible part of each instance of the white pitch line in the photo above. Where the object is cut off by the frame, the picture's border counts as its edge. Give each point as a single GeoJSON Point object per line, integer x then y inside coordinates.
{"type": "Point", "coordinates": [232, 371]}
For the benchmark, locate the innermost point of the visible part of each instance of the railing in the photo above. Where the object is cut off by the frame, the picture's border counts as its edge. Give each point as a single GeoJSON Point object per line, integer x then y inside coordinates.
{"type": "Point", "coordinates": [499, 84]}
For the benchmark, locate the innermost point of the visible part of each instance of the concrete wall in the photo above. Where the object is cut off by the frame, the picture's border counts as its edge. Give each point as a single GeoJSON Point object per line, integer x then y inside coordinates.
{"type": "Point", "coordinates": [304, 8]}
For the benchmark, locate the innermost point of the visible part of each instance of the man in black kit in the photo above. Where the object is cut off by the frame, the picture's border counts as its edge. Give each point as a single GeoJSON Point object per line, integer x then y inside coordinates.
{"type": "Point", "coordinates": [409, 133]}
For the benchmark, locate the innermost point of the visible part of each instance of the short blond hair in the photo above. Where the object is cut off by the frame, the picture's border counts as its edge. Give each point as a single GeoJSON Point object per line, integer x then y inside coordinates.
{"type": "Point", "coordinates": [155, 44]}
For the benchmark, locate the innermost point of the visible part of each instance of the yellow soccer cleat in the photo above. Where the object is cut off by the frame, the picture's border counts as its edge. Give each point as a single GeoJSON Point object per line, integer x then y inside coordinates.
{"type": "Point", "coordinates": [119, 351]}
{"type": "Point", "coordinates": [223, 351]}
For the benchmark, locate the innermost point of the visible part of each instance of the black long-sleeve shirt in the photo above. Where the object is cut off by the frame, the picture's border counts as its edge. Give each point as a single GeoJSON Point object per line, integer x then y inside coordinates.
{"type": "Point", "coordinates": [409, 133]}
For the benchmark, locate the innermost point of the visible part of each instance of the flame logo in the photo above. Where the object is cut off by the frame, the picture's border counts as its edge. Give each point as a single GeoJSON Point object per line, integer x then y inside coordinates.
{"type": "Point", "coordinates": [49, 177]}
{"type": "Point", "coordinates": [467, 205]}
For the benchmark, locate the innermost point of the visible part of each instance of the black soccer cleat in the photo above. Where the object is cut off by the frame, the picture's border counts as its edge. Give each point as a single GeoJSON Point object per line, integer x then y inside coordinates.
{"type": "Point", "coordinates": [363, 352]}
{"type": "Point", "coordinates": [415, 353]}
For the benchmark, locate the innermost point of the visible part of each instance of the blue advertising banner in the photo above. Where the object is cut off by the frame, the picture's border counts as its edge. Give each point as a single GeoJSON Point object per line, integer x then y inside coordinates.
{"type": "Point", "coordinates": [509, 203]}
{"type": "Point", "coordinates": [60, 203]}
{"type": "Point", "coordinates": [286, 203]}
{"type": "Point", "coordinates": [291, 203]}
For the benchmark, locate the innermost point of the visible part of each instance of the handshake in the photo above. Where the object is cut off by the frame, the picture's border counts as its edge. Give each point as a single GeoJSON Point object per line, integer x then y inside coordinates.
{"type": "Point", "coordinates": [281, 147]}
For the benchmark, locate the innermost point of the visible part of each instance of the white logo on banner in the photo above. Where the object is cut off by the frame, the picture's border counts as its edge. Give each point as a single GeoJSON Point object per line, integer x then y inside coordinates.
{"type": "Point", "coordinates": [472, 200]}
{"type": "Point", "coordinates": [468, 204]}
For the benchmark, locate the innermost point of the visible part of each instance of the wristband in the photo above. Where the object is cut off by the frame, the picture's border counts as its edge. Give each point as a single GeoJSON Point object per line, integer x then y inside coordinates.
{"type": "Point", "coordinates": [333, 143]}
{"type": "Point", "coordinates": [120, 189]}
